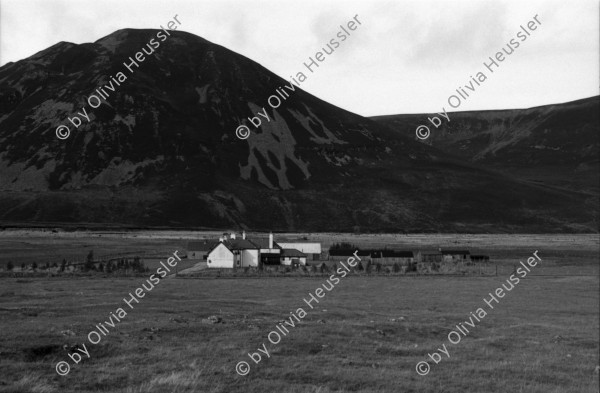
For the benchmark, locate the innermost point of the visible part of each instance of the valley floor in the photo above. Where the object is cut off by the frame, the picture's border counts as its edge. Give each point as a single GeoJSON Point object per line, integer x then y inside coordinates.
{"type": "Point", "coordinates": [365, 335]}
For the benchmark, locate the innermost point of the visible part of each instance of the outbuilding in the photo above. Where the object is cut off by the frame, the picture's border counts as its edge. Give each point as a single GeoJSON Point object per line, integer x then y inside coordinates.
{"type": "Point", "coordinates": [428, 256]}
{"type": "Point", "coordinates": [290, 256]}
{"type": "Point", "coordinates": [311, 249]}
{"type": "Point", "coordinates": [389, 257]}
{"type": "Point", "coordinates": [450, 255]}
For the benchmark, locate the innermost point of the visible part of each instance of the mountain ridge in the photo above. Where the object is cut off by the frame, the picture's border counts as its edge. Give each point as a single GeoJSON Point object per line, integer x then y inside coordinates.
{"type": "Point", "coordinates": [163, 152]}
{"type": "Point", "coordinates": [556, 144]}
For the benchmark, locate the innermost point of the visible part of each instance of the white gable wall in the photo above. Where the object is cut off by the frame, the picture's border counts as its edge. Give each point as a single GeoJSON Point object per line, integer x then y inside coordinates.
{"type": "Point", "coordinates": [220, 257]}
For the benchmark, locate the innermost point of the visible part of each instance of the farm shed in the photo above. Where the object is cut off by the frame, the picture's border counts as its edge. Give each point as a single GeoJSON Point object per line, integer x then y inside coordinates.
{"type": "Point", "coordinates": [292, 257]}
{"type": "Point", "coordinates": [389, 257]}
{"type": "Point", "coordinates": [455, 255]}
{"type": "Point", "coordinates": [429, 256]}
{"type": "Point", "coordinates": [312, 249]}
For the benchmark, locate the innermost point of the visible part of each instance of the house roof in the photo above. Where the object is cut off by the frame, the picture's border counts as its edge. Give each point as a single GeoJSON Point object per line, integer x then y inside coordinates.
{"type": "Point", "coordinates": [264, 243]}
{"type": "Point", "coordinates": [240, 244]}
{"type": "Point", "coordinates": [455, 252]}
{"type": "Point", "coordinates": [291, 252]}
{"type": "Point", "coordinates": [236, 244]}
{"type": "Point", "coordinates": [200, 245]}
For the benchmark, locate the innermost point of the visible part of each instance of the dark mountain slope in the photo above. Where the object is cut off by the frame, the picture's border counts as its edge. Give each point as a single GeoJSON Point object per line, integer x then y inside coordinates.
{"type": "Point", "coordinates": [163, 152]}
{"type": "Point", "coordinates": [557, 145]}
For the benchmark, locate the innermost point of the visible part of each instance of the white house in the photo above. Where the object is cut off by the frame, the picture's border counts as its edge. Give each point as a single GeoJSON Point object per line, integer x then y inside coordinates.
{"type": "Point", "coordinates": [233, 253]}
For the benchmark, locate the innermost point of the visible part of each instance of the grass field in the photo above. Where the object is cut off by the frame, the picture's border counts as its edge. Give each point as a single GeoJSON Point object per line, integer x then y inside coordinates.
{"type": "Point", "coordinates": [366, 335]}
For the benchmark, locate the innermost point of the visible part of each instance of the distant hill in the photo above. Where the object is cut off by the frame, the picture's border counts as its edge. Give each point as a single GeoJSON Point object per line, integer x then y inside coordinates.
{"type": "Point", "coordinates": [163, 152]}
{"type": "Point", "coordinates": [556, 145]}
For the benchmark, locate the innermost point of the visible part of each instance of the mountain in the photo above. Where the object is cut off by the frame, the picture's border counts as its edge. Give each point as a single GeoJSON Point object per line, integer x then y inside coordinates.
{"type": "Point", "coordinates": [555, 145]}
{"type": "Point", "coordinates": [162, 152]}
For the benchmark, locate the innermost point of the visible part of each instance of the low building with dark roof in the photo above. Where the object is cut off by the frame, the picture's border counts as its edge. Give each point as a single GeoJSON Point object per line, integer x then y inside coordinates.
{"type": "Point", "coordinates": [389, 257]}
{"type": "Point", "coordinates": [311, 249]}
{"type": "Point", "coordinates": [453, 255]}
{"type": "Point", "coordinates": [429, 256]}
{"type": "Point", "coordinates": [290, 256]}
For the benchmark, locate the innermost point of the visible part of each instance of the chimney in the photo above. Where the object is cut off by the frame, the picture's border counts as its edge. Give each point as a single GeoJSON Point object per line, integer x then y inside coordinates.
{"type": "Point", "coordinates": [232, 236]}
{"type": "Point", "coordinates": [221, 239]}
{"type": "Point", "coordinates": [271, 240]}
{"type": "Point", "coordinates": [244, 235]}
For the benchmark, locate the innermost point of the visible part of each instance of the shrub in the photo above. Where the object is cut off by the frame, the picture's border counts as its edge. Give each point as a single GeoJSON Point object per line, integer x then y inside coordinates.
{"type": "Point", "coordinates": [378, 267]}
{"type": "Point", "coordinates": [89, 261]}
{"type": "Point", "coordinates": [9, 266]}
{"type": "Point", "coordinates": [368, 267]}
{"type": "Point", "coordinates": [396, 268]}
{"type": "Point", "coordinates": [360, 267]}
{"type": "Point", "coordinates": [341, 247]}
{"type": "Point", "coordinates": [34, 266]}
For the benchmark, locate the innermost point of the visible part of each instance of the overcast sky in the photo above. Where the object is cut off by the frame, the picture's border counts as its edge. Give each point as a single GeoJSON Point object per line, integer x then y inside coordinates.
{"type": "Point", "coordinates": [405, 57]}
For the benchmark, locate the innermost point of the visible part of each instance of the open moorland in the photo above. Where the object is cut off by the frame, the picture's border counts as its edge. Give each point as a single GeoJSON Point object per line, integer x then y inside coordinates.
{"type": "Point", "coordinates": [366, 335]}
